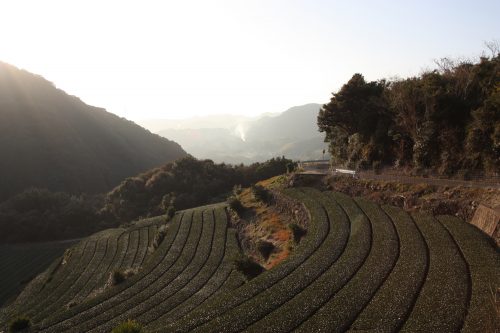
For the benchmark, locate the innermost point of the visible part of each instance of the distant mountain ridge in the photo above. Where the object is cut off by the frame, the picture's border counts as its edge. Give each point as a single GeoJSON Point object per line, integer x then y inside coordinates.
{"type": "Point", "coordinates": [52, 140]}
{"type": "Point", "coordinates": [296, 123]}
{"type": "Point", "coordinates": [292, 133]}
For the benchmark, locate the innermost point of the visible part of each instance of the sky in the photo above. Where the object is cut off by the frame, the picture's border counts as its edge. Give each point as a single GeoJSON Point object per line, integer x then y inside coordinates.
{"type": "Point", "coordinates": [178, 59]}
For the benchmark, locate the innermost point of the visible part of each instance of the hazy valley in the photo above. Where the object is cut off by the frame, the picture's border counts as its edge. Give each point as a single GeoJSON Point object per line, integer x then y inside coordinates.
{"type": "Point", "coordinates": [292, 133]}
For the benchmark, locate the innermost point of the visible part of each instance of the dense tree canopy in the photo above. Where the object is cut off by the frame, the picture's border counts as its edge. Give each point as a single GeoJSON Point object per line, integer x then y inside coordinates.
{"type": "Point", "coordinates": [185, 183]}
{"type": "Point", "coordinates": [446, 120]}
{"type": "Point", "coordinates": [39, 215]}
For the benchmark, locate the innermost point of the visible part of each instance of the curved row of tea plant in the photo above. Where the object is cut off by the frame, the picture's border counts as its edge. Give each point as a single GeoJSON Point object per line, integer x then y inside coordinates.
{"type": "Point", "coordinates": [20, 263]}
{"type": "Point", "coordinates": [360, 267]}
{"type": "Point", "coordinates": [397, 272]}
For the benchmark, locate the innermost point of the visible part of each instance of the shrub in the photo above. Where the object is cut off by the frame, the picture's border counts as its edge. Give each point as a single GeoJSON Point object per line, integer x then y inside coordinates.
{"type": "Point", "coordinates": [235, 204]}
{"type": "Point", "coordinates": [119, 276]}
{"type": "Point", "coordinates": [130, 326]}
{"type": "Point", "coordinates": [71, 304]}
{"type": "Point", "coordinates": [19, 324]}
{"type": "Point", "coordinates": [249, 267]}
{"type": "Point", "coordinates": [265, 248]}
{"type": "Point", "coordinates": [297, 231]}
{"type": "Point", "coordinates": [170, 211]}
{"type": "Point", "coordinates": [159, 237]}
{"type": "Point", "coordinates": [260, 193]}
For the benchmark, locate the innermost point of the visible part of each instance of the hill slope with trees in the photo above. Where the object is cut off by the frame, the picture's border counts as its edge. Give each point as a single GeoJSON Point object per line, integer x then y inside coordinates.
{"type": "Point", "coordinates": [42, 215]}
{"type": "Point", "coordinates": [52, 140]}
{"type": "Point", "coordinates": [446, 120]}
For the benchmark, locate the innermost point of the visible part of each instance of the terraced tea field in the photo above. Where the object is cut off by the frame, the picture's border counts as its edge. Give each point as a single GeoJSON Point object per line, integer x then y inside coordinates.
{"type": "Point", "coordinates": [19, 263]}
{"type": "Point", "coordinates": [360, 268]}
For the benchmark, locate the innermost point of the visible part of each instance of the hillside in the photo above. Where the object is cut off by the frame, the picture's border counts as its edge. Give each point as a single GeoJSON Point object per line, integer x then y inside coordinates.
{"type": "Point", "coordinates": [41, 215]}
{"type": "Point", "coordinates": [52, 140]}
{"type": "Point", "coordinates": [292, 133]}
{"type": "Point", "coordinates": [360, 267]}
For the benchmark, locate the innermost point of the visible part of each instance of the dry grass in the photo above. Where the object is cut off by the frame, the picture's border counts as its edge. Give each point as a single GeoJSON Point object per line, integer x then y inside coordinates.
{"type": "Point", "coordinates": [274, 182]}
{"type": "Point", "coordinates": [265, 224]}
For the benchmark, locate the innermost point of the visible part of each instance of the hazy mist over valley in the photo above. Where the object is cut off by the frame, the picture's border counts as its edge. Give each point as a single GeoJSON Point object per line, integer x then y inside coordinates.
{"type": "Point", "coordinates": [233, 139]}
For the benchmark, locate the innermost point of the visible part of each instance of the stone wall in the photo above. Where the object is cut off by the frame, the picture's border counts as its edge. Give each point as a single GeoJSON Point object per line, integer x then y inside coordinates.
{"type": "Point", "coordinates": [488, 220]}
{"type": "Point", "coordinates": [292, 209]}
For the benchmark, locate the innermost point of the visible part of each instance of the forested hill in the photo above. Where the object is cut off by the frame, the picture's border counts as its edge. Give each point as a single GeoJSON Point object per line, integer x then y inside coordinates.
{"type": "Point", "coordinates": [446, 120]}
{"type": "Point", "coordinates": [52, 140]}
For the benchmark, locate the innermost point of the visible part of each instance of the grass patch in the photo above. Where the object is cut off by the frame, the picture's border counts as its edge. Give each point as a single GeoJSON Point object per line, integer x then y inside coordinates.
{"type": "Point", "coordinates": [130, 326]}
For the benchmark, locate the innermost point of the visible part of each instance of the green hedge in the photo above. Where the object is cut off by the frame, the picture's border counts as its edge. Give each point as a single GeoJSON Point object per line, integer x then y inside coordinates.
{"type": "Point", "coordinates": [19, 263]}
{"type": "Point", "coordinates": [86, 310]}
{"type": "Point", "coordinates": [103, 275]}
{"type": "Point", "coordinates": [79, 279]}
{"type": "Point", "coordinates": [304, 304]}
{"type": "Point", "coordinates": [224, 279]}
{"type": "Point", "coordinates": [197, 275]}
{"type": "Point", "coordinates": [484, 264]}
{"type": "Point", "coordinates": [78, 263]}
{"type": "Point", "coordinates": [443, 300]}
{"type": "Point", "coordinates": [356, 294]}
{"type": "Point", "coordinates": [318, 231]}
{"type": "Point", "coordinates": [92, 274]}
{"type": "Point", "coordinates": [393, 302]}
{"type": "Point", "coordinates": [133, 246]}
{"type": "Point", "coordinates": [142, 249]}
{"type": "Point", "coordinates": [178, 257]}
{"type": "Point", "coordinates": [54, 279]}
{"type": "Point", "coordinates": [147, 304]}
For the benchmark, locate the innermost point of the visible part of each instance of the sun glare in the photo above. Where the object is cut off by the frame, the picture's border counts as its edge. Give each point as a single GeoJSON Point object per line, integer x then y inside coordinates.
{"type": "Point", "coordinates": [178, 59]}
